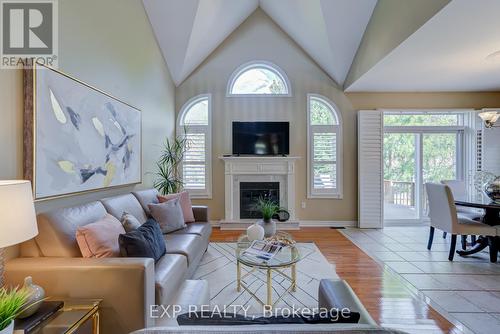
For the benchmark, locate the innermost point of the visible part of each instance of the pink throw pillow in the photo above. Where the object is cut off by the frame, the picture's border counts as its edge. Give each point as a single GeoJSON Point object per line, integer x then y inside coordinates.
{"type": "Point", "coordinates": [100, 239]}
{"type": "Point", "coordinates": [186, 205]}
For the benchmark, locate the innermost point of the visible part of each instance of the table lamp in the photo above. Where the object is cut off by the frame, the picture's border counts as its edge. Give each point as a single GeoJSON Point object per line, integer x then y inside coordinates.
{"type": "Point", "coordinates": [17, 216]}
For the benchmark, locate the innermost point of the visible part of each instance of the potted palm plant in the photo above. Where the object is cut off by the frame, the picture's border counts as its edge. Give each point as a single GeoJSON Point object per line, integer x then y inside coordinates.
{"type": "Point", "coordinates": [268, 208]}
{"type": "Point", "coordinates": [168, 178]}
{"type": "Point", "coordinates": [12, 303]}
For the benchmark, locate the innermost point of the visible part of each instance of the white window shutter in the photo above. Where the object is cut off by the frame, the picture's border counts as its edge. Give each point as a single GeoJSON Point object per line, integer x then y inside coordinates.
{"type": "Point", "coordinates": [370, 169]}
{"type": "Point", "coordinates": [194, 166]}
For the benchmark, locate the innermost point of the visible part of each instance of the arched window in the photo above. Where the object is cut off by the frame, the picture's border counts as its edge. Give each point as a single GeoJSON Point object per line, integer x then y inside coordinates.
{"type": "Point", "coordinates": [258, 78]}
{"type": "Point", "coordinates": [324, 138]}
{"type": "Point", "coordinates": [195, 123]}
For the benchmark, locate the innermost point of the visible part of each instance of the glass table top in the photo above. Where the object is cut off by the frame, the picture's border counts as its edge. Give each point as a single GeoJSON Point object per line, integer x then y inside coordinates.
{"type": "Point", "coordinates": [477, 202]}
{"type": "Point", "coordinates": [285, 257]}
{"type": "Point", "coordinates": [73, 312]}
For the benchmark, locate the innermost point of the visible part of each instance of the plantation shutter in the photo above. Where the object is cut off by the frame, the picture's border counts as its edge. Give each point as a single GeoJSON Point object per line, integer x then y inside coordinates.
{"type": "Point", "coordinates": [194, 164]}
{"type": "Point", "coordinates": [370, 169]}
{"type": "Point", "coordinates": [324, 158]}
{"type": "Point", "coordinates": [324, 153]}
{"type": "Point", "coordinates": [195, 125]}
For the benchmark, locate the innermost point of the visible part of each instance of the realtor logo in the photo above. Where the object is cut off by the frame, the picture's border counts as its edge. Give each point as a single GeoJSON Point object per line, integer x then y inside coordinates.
{"type": "Point", "coordinates": [28, 33]}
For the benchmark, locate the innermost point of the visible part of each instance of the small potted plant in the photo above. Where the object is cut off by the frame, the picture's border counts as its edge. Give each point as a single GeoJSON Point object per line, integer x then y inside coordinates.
{"type": "Point", "coordinates": [12, 303]}
{"type": "Point", "coordinates": [268, 208]}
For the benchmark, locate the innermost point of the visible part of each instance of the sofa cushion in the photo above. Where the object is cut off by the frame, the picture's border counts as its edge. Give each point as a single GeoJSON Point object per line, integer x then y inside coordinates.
{"type": "Point", "coordinates": [57, 228]}
{"type": "Point", "coordinates": [145, 241]}
{"type": "Point", "coordinates": [202, 229]}
{"type": "Point", "coordinates": [100, 239]}
{"type": "Point", "coordinates": [146, 197]}
{"type": "Point", "coordinates": [170, 272]}
{"type": "Point", "coordinates": [189, 245]}
{"type": "Point", "coordinates": [117, 205]}
{"type": "Point", "coordinates": [168, 215]}
{"type": "Point", "coordinates": [185, 200]}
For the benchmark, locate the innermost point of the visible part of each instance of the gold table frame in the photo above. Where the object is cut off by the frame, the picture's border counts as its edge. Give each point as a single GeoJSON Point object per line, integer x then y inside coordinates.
{"type": "Point", "coordinates": [292, 278]}
{"type": "Point", "coordinates": [89, 309]}
{"type": "Point", "coordinates": [278, 268]}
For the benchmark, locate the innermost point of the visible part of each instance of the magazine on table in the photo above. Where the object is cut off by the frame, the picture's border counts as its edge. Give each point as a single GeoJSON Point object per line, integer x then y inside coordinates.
{"type": "Point", "coordinates": [263, 250]}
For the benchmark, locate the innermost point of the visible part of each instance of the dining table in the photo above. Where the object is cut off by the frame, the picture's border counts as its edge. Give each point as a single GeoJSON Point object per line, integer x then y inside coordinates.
{"type": "Point", "coordinates": [491, 217]}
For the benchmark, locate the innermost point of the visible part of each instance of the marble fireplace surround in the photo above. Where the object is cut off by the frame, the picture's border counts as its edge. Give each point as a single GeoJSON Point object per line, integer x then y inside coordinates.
{"type": "Point", "coordinates": [257, 169]}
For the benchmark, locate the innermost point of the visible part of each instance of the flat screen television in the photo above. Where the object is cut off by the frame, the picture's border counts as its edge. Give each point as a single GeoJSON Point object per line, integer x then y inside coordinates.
{"type": "Point", "coordinates": [261, 138]}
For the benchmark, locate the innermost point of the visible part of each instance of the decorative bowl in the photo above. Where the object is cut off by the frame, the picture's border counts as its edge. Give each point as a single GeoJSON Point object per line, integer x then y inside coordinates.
{"type": "Point", "coordinates": [492, 189]}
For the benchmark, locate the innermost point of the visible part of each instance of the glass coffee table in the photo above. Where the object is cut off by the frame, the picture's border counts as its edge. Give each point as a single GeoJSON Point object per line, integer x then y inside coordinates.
{"type": "Point", "coordinates": [76, 316]}
{"type": "Point", "coordinates": [284, 260]}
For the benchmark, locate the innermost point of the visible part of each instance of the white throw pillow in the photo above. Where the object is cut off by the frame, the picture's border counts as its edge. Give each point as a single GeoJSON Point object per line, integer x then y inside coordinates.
{"type": "Point", "coordinates": [129, 222]}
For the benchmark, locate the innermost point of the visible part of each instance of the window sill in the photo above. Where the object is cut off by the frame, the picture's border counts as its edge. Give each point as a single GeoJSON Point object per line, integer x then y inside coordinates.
{"type": "Point", "coordinates": [325, 196]}
{"type": "Point", "coordinates": [195, 195]}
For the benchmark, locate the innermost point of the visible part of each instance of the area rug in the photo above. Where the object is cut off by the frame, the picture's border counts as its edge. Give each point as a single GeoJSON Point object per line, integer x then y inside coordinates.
{"type": "Point", "coordinates": [218, 267]}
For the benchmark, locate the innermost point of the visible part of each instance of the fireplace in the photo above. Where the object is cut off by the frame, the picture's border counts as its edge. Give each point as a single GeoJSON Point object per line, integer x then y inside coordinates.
{"type": "Point", "coordinates": [246, 178]}
{"type": "Point", "coordinates": [250, 192]}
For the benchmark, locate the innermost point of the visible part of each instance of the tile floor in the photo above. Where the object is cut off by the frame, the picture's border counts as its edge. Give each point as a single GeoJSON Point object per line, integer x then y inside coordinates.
{"type": "Point", "coordinates": [465, 291]}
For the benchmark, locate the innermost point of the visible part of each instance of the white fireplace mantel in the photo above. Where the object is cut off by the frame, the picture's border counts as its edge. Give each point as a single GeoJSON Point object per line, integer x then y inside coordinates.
{"type": "Point", "coordinates": [258, 169]}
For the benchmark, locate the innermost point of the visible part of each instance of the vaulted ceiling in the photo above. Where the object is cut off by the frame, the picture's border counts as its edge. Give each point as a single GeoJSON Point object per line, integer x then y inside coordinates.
{"type": "Point", "coordinates": [363, 45]}
{"type": "Point", "coordinates": [328, 30]}
{"type": "Point", "coordinates": [450, 52]}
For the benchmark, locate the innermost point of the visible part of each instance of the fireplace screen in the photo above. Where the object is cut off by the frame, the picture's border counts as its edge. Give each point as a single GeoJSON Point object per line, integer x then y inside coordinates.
{"type": "Point", "coordinates": [250, 192]}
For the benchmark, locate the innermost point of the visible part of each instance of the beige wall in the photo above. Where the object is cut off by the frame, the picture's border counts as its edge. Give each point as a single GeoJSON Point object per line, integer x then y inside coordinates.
{"type": "Point", "coordinates": [259, 38]}
{"type": "Point", "coordinates": [108, 44]}
{"type": "Point", "coordinates": [472, 100]}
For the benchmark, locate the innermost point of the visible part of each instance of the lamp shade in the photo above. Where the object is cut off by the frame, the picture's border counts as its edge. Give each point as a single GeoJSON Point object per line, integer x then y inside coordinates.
{"type": "Point", "coordinates": [17, 212]}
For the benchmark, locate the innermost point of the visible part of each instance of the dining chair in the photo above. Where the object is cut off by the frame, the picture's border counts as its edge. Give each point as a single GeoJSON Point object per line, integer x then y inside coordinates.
{"type": "Point", "coordinates": [443, 215]}
{"type": "Point", "coordinates": [459, 190]}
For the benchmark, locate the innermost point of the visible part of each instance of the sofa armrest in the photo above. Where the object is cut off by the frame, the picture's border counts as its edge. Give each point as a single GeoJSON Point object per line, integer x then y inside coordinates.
{"type": "Point", "coordinates": [338, 294]}
{"type": "Point", "coordinates": [200, 213]}
{"type": "Point", "coordinates": [126, 285]}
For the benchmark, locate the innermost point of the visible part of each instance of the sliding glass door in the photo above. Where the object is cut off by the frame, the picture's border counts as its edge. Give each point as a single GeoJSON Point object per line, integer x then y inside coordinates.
{"type": "Point", "coordinates": [413, 155]}
{"type": "Point", "coordinates": [400, 176]}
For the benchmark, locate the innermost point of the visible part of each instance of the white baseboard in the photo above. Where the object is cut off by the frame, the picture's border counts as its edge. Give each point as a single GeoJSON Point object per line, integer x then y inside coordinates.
{"type": "Point", "coordinates": [328, 223]}
{"type": "Point", "coordinates": [302, 223]}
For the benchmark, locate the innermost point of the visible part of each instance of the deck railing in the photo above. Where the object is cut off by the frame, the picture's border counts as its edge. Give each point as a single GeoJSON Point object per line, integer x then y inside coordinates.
{"type": "Point", "coordinates": [399, 192]}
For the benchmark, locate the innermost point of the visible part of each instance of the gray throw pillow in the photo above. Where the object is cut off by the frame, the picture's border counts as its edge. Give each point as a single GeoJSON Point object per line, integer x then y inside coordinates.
{"type": "Point", "coordinates": [129, 222]}
{"type": "Point", "coordinates": [168, 215]}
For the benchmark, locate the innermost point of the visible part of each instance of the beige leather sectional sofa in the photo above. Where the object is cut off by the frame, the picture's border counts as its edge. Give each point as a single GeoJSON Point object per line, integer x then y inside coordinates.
{"type": "Point", "coordinates": [128, 286]}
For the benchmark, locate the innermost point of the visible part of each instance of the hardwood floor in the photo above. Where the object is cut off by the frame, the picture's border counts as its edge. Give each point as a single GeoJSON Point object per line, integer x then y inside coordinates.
{"type": "Point", "coordinates": [384, 296]}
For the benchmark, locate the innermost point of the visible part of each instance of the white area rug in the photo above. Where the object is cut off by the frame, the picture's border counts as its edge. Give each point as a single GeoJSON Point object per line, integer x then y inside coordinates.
{"type": "Point", "coordinates": [218, 267]}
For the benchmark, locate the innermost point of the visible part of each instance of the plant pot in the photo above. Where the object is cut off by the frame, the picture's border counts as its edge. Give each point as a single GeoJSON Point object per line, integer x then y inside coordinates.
{"type": "Point", "coordinates": [269, 226]}
{"type": "Point", "coordinates": [9, 329]}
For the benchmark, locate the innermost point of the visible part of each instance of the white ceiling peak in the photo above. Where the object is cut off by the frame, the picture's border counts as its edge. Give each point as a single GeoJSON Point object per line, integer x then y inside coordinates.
{"type": "Point", "coordinates": [188, 31]}
{"type": "Point", "coordinates": [330, 31]}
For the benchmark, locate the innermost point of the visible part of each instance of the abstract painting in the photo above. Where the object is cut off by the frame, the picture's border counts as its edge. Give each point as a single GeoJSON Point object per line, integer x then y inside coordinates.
{"type": "Point", "coordinates": [77, 138]}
